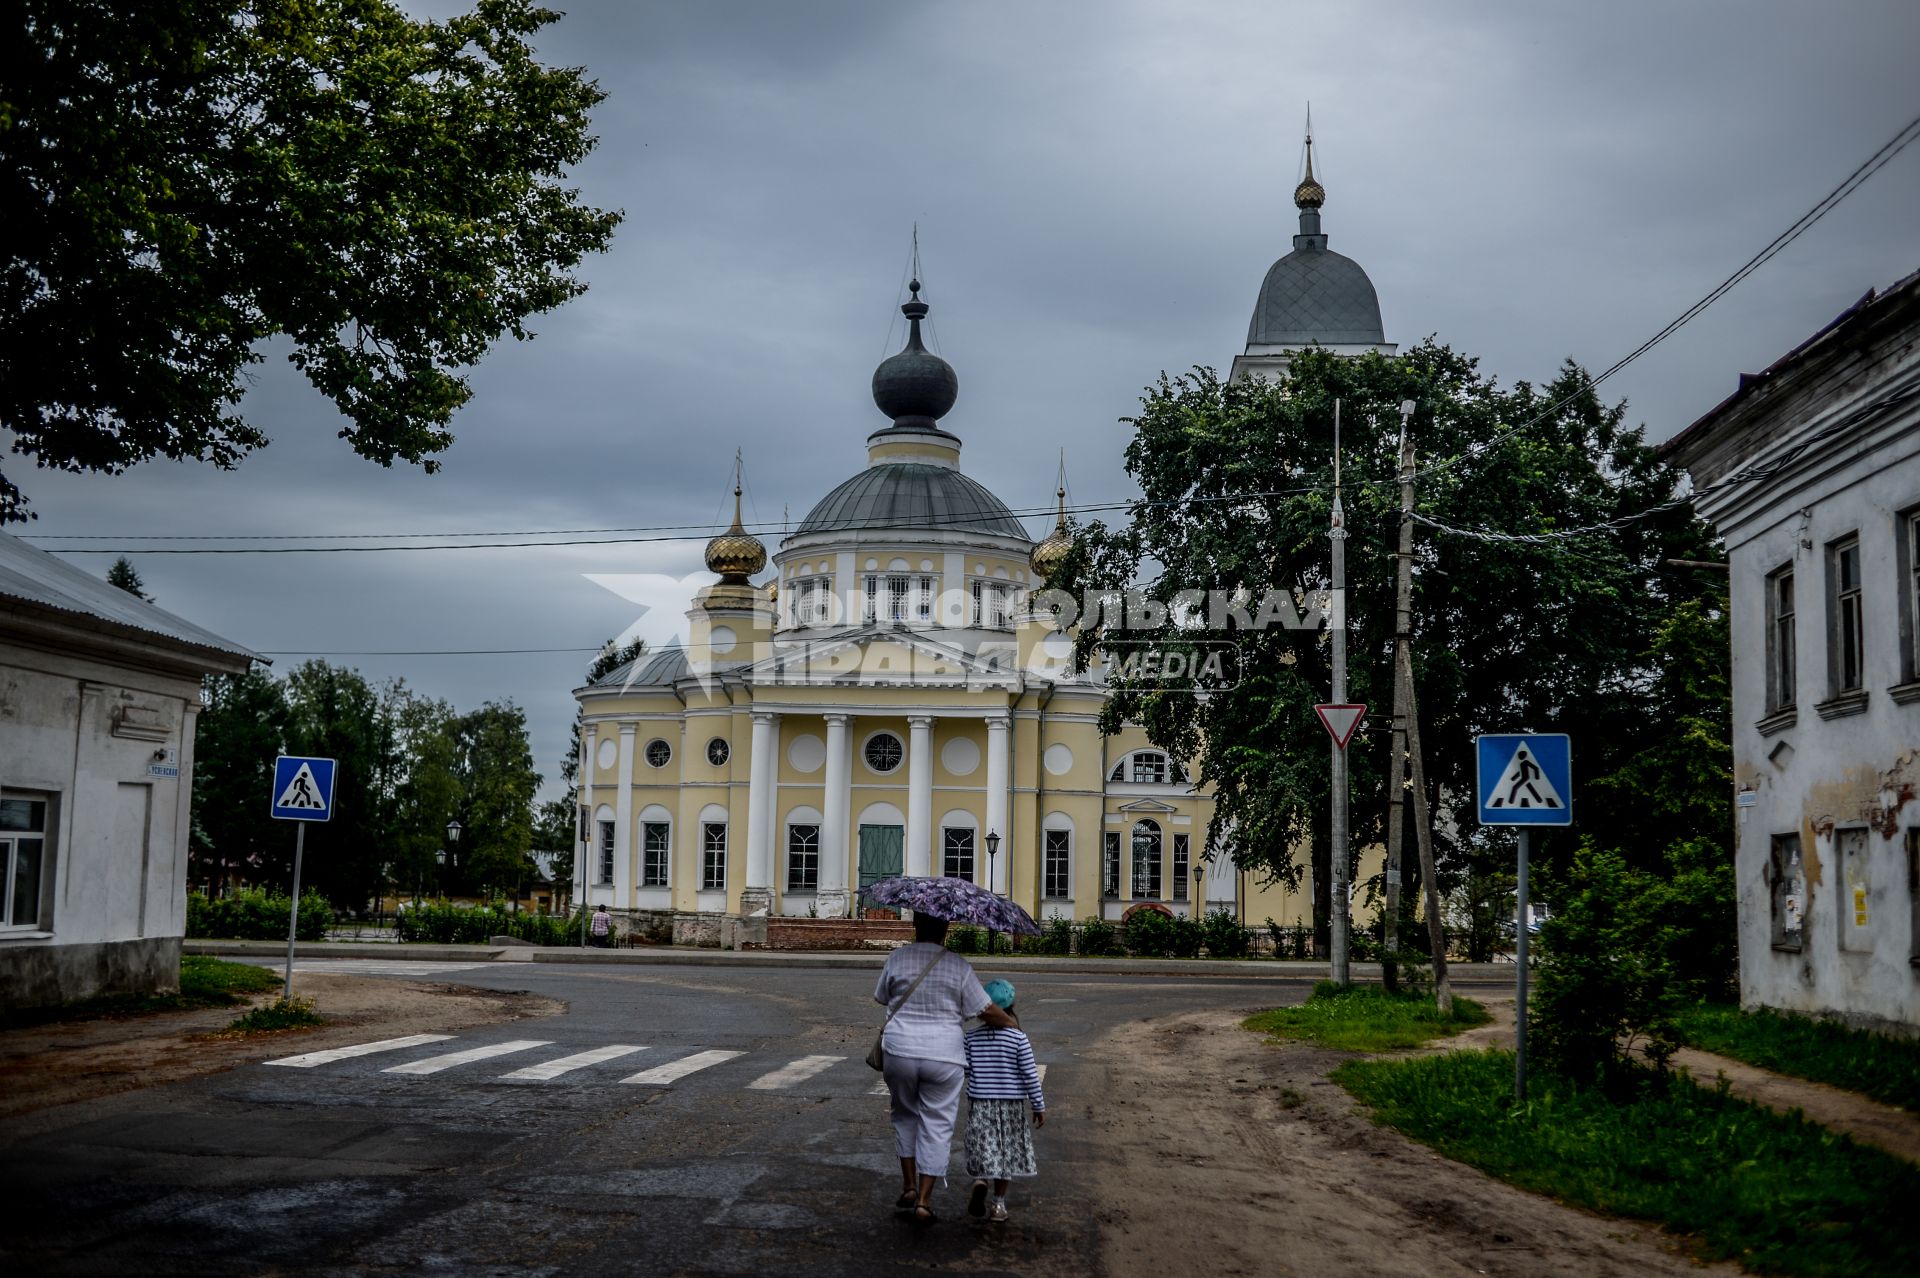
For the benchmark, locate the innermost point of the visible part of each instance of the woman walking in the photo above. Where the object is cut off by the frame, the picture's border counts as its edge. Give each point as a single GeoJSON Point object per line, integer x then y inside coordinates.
{"type": "Point", "coordinates": [930, 993]}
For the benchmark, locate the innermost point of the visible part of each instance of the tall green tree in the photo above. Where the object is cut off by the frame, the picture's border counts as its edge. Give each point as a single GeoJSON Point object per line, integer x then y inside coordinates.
{"type": "Point", "coordinates": [495, 764]}
{"type": "Point", "coordinates": [124, 575]}
{"type": "Point", "coordinates": [336, 713]}
{"type": "Point", "coordinates": [244, 724]}
{"type": "Point", "coordinates": [427, 796]}
{"type": "Point", "coordinates": [183, 179]}
{"type": "Point", "coordinates": [1236, 482]}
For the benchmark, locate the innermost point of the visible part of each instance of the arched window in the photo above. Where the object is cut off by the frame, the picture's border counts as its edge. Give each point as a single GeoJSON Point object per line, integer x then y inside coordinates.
{"type": "Point", "coordinates": [1148, 767]}
{"type": "Point", "coordinates": [1146, 860]}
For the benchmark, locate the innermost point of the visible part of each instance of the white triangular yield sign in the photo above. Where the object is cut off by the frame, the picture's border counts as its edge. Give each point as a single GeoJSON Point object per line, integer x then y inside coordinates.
{"type": "Point", "coordinates": [1523, 784]}
{"type": "Point", "coordinates": [302, 792]}
{"type": "Point", "coordinates": [1340, 721]}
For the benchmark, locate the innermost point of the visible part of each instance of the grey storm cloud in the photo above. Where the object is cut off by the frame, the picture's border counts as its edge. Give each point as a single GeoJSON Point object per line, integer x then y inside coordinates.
{"type": "Point", "coordinates": [1099, 190]}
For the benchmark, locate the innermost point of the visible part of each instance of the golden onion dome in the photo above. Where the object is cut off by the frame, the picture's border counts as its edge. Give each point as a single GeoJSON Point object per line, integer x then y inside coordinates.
{"type": "Point", "coordinates": [1309, 194]}
{"type": "Point", "coordinates": [1052, 551]}
{"type": "Point", "coordinates": [736, 554]}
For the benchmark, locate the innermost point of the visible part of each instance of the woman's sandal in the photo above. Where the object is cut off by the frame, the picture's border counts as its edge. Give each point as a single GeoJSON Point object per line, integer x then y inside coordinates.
{"type": "Point", "coordinates": [907, 1202]}
{"type": "Point", "coordinates": [923, 1216]}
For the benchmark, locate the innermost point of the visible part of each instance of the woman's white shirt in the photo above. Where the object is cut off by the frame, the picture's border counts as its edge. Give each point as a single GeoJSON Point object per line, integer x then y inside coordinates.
{"type": "Point", "coordinates": [929, 1025]}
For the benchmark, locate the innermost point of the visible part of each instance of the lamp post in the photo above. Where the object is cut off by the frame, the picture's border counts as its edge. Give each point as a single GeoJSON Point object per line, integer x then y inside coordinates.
{"type": "Point", "coordinates": [993, 881]}
{"type": "Point", "coordinates": [449, 855]}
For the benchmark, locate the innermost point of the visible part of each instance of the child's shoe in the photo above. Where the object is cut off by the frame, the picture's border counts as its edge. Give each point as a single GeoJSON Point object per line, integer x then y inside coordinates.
{"type": "Point", "coordinates": [999, 1212]}
{"type": "Point", "coordinates": [977, 1200]}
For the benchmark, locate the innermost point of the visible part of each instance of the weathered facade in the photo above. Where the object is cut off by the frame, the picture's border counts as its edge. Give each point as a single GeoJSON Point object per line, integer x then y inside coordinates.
{"type": "Point", "coordinates": [98, 693]}
{"type": "Point", "coordinates": [1811, 473]}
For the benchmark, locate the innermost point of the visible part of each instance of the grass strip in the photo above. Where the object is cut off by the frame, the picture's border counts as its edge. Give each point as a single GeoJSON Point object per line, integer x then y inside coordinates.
{"type": "Point", "coordinates": [1876, 1065]}
{"type": "Point", "coordinates": [1773, 1191]}
{"type": "Point", "coordinates": [204, 982]}
{"type": "Point", "coordinates": [1365, 1018]}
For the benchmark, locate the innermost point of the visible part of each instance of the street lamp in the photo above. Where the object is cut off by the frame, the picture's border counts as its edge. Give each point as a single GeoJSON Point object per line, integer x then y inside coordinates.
{"type": "Point", "coordinates": [993, 881]}
{"type": "Point", "coordinates": [450, 854]}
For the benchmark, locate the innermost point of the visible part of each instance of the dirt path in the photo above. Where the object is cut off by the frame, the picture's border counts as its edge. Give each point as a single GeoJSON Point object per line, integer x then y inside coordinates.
{"type": "Point", "coordinates": [56, 1064]}
{"type": "Point", "coordinates": [1226, 1155]}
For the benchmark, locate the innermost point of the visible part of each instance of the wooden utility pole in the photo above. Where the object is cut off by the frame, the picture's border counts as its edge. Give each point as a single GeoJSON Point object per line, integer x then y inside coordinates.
{"type": "Point", "coordinates": [1423, 832]}
{"type": "Point", "coordinates": [1337, 825]}
{"type": "Point", "coordinates": [1402, 687]}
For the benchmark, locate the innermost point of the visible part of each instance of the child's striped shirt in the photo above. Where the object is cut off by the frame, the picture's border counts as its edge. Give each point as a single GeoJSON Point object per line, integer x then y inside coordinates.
{"type": "Point", "coordinates": [1000, 1066]}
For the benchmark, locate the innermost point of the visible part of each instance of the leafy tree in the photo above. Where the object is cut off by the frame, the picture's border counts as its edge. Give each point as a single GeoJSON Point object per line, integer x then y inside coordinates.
{"type": "Point", "coordinates": [495, 764]}
{"type": "Point", "coordinates": [555, 830]}
{"type": "Point", "coordinates": [244, 724]}
{"type": "Point", "coordinates": [124, 575]}
{"type": "Point", "coordinates": [183, 179]}
{"type": "Point", "coordinates": [427, 796]}
{"type": "Point", "coordinates": [1236, 483]}
{"type": "Point", "coordinates": [337, 714]}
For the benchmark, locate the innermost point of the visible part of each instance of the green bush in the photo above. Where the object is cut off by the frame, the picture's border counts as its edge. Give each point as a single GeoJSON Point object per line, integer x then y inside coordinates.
{"type": "Point", "coordinates": [442, 923]}
{"type": "Point", "coordinates": [1056, 936]}
{"type": "Point", "coordinates": [1149, 934]}
{"type": "Point", "coordinates": [281, 1014]}
{"type": "Point", "coordinates": [256, 915]}
{"type": "Point", "coordinates": [1294, 942]}
{"type": "Point", "coordinates": [1098, 937]}
{"type": "Point", "coordinates": [1224, 936]}
{"type": "Point", "coordinates": [1186, 938]}
{"type": "Point", "coordinates": [1626, 952]}
{"type": "Point", "coordinates": [966, 939]}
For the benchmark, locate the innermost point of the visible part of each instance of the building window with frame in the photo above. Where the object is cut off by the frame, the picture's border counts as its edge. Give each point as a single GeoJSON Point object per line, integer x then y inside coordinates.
{"type": "Point", "coordinates": [658, 753]}
{"type": "Point", "coordinates": [1110, 864]}
{"type": "Point", "coordinates": [1182, 846]}
{"type": "Point", "coordinates": [897, 590]}
{"type": "Point", "coordinates": [605, 877]}
{"type": "Point", "coordinates": [713, 856]}
{"type": "Point", "coordinates": [1788, 887]}
{"type": "Point", "coordinates": [1146, 860]}
{"type": "Point", "coordinates": [25, 826]}
{"type": "Point", "coordinates": [883, 752]}
{"type": "Point", "coordinates": [1910, 547]}
{"type": "Point", "coordinates": [956, 853]}
{"type": "Point", "coordinates": [803, 858]}
{"type": "Point", "coordinates": [870, 597]}
{"type": "Point", "coordinates": [1057, 865]}
{"type": "Point", "coordinates": [1846, 623]}
{"type": "Point", "coordinates": [656, 842]}
{"type": "Point", "coordinates": [923, 601]}
{"type": "Point", "coordinates": [1913, 893]}
{"type": "Point", "coordinates": [1856, 888]}
{"type": "Point", "coordinates": [1782, 664]}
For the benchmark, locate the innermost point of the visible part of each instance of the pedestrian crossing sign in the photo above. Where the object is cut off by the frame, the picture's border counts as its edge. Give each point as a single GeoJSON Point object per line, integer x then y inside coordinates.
{"type": "Point", "coordinates": [1525, 779]}
{"type": "Point", "coordinates": [302, 788]}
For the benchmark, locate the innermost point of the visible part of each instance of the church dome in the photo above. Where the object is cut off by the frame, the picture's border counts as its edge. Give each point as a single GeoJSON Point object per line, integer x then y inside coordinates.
{"type": "Point", "coordinates": [915, 387]}
{"type": "Point", "coordinates": [1316, 295]}
{"type": "Point", "coordinates": [1051, 552]}
{"type": "Point", "coordinates": [916, 495]}
{"type": "Point", "coordinates": [736, 554]}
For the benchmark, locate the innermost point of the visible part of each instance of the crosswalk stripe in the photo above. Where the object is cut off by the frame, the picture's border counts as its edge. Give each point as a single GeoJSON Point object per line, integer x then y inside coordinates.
{"type": "Point", "coordinates": [675, 1070]}
{"type": "Point", "coordinates": [794, 1072]}
{"type": "Point", "coordinates": [579, 1060]}
{"type": "Point", "coordinates": [434, 1064]}
{"type": "Point", "coordinates": [307, 1060]}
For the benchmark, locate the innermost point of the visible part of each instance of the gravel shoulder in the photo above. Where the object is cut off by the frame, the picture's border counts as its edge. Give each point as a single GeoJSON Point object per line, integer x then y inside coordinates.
{"type": "Point", "coordinates": [58, 1064]}
{"type": "Point", "coordinates": [1215, 1146]}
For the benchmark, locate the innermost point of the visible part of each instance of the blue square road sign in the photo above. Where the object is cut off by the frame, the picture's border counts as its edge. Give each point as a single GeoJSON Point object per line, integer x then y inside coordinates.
{"type": "Point", "coordinates": [302, 788]}
{"type": "Point", "coordinates": [1525, 778]}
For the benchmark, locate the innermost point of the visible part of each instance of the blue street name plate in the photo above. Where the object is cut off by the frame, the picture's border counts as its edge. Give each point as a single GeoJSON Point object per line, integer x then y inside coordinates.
{"type": "Point", "coordinates": [1525, 778]}
{"type": "Point", "coordinates": [302, 788]}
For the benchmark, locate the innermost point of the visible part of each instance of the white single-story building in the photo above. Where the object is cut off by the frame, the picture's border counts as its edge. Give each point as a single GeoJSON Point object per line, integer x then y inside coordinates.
{"type": "Point", "coordinates": [1811, 473]}
{"type": "Point", "coordinates": [98, 694]}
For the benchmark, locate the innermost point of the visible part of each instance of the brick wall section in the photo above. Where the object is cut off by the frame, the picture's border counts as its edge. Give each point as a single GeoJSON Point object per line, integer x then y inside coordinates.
{"type": "Point", "coordinates": [836, 934]}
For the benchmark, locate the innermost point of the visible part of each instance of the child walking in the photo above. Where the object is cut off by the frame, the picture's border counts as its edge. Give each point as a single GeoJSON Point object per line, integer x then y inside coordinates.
{"type": "Point", "coordinates": [1003, 1087]}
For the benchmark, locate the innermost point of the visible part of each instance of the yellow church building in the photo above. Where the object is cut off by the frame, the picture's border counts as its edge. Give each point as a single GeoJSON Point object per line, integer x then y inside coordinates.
{"type": "Point", "coordinates": [885, 702]}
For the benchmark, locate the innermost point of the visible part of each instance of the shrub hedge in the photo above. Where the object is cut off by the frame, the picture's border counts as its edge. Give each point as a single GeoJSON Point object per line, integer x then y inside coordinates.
{"type": "Point", "coordinates": [256, 915]}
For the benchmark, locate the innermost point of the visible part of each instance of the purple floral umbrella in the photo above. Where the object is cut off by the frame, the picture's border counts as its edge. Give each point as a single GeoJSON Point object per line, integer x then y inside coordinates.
{"type": "Point", "coordinates": [956, 899]}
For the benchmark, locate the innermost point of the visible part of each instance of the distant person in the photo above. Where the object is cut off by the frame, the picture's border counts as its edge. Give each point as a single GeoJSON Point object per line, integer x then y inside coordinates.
{"type": "Point", "coordinates": [1003, 1086]}
{"type": "Point", "coordinates": [936, 992]}
{"type": "Point", "coordinates": [601, 926]}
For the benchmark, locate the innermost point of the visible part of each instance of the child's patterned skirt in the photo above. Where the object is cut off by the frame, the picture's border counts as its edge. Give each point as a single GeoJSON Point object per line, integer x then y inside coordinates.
{"type": "Point", "coordinates": [1000, 1139]}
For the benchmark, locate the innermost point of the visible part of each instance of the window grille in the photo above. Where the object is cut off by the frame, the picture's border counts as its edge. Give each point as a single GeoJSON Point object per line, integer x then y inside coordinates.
{"type": "Point", "coordinates": [803, 858]}
{"type": "Point", "coordinates": [956, 860]}
{"type": "Point", "coordinates": [1057, 876]}
{"type": "Point", "coordinates": [655, 843]}
{"type": "Point", "coordinates": [713, 855]}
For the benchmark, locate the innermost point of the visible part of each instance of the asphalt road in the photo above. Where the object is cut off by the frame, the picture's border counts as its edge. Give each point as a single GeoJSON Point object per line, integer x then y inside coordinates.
{"type": "Point", "coordinates": [773, 1156]}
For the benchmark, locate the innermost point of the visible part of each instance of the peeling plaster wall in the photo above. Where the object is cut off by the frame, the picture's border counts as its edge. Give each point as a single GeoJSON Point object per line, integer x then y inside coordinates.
{"type": "Point", "coordinates": [1834, 774]}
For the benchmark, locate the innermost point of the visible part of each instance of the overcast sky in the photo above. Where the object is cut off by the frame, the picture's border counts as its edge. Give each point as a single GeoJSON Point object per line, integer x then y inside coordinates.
{"type": "Point", "coordinates": [1100, 189]}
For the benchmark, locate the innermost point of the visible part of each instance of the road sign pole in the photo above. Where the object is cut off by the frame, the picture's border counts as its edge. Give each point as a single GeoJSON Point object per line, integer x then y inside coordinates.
{"type": "Point", "coordinates": [1337, 825]}
{"type": "Point", "coordinates": [293, 925]}
{"type": "Point", "coordinates": [1520, 972]}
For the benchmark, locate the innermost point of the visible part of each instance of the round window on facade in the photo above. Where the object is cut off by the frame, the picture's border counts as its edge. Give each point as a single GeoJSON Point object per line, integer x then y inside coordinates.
{"type": "Point", "coordinates": [884, 752]}
{"type": "Point", "coordinates": [718, 752]}
{"type": "Point", "coordinates": [659, 753]}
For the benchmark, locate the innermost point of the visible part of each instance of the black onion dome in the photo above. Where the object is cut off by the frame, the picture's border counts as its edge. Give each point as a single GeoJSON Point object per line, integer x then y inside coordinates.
{"type": "Point", "coordinates": [915, 387]}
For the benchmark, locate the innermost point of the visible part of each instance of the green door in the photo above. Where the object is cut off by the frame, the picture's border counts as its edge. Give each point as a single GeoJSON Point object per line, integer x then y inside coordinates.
{"type": "Point", "coordinates": [882, 852]}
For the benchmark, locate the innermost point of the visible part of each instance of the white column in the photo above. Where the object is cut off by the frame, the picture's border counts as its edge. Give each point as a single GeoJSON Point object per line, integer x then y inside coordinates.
{"type": "Point", "coordinates": [997, 738]}
{"type": "Point", "coordinates": [831, 900]}
{"type": "Point", "coordinates": [919, 795]}
{"type": "Point", "coordinates": [623, 876]}
{"type": "Point", "coordinates": [583, 879]}
{"type": "Point", "coordinates": [763, 777]}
